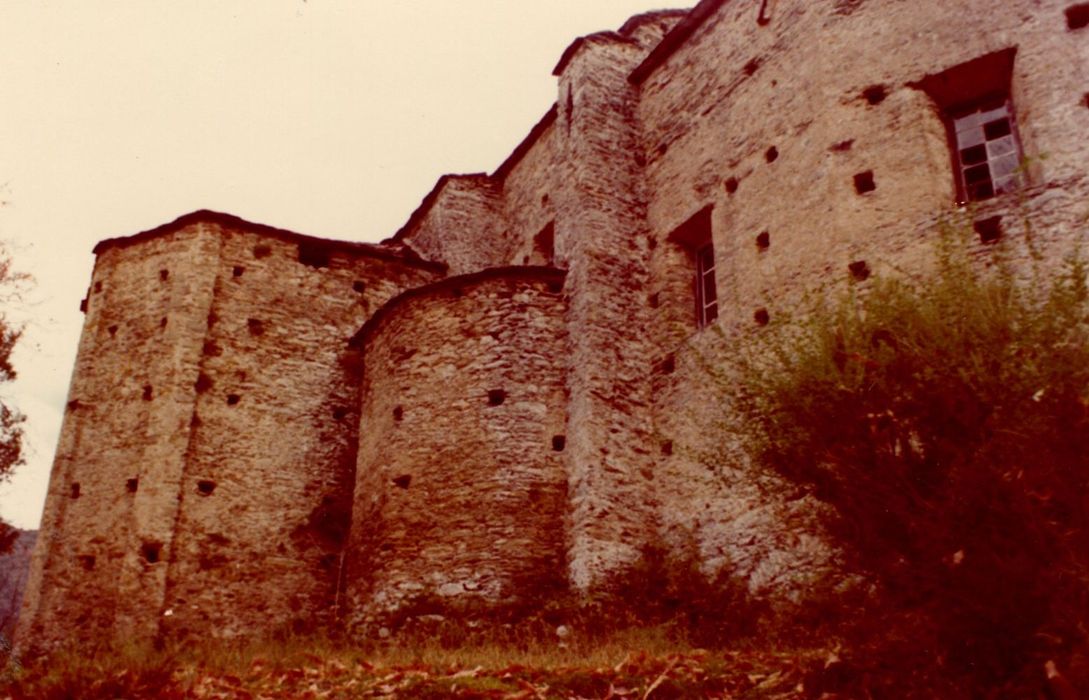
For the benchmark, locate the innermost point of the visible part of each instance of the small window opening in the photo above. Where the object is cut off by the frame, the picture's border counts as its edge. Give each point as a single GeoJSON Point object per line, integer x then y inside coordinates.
{"type": "Point", "coordinates": [87, 561]}
{"type": "Point", "coordinates": [654, 300]}
{"type": "Point", "coordinates": [763, 240]}
{"type": "Point", "coordinates": [314, 255]}
{"type": "Point", "coordinates": [496, 397]}
{"type": "Point", "coordinates": [112, 330]}
{"type": "Point", "coordinates": [83, 305]}
{"type": "Point", "coordinates": [859, 270]}
{"type": "Point", "coordinates": [256, 326]}
{"type": "Point", "coordinates": [132, 484]}
{"type": "Point", "coordinates": [237, 270]}
{"type": "Point", "coordinates": [668, 364]}
{"type": "Point", "coordinates": [695, 236]}
{"type": "Point", "coordinates": [151, 552]}
{"type": "Point", "coordinates": [667, 447]}
{"type": "Point", "coordinates": [162, 322]}
{"type": "Point", "coordinates": [752, 66]}
{"type": "Point", "coordinates": [974, 98]}
{"type": "Point", "coordinates": [875, 94]}
{"type": "Point", "coordinates": [842, 146]}
{"type": "Point", "coordinates": [402, 481]}
{"type": "Point", "coordinates": [544, 245]}
{"type": "Point", "coordinates": [211, 349]}
{"type": "Point", "coordinates": [706, 292]}
{"type": "Point", "coordinates": [398, 413]}
{"type": "Point", "coordinates": [359, 286]}
{"type": "Point", "coordinates": [559, 442]}
{"type": "Point", "coordinates": [164, 275]}
{"type": "Point", "coordinates": [761, 316]}
{"type": "Point", "coordinates": [233, 399]}
{"type": "Point", "coordinates": [203, 383]}
{"type": "Point", "coordinates": [98, 286]}
{"type": "Point", "coordinates": [864, 182]}
{"type": "Point", "coordinates": [206, 487]}
{"type": "Point", "coordinates": [261, 251]}
{"type": "Point", "coordinates": [989, 229]}
{"type": "Point", "coordinates": [771, 154]}
{"type": "Point", "coordinates": [74, 404]}
{"type": "Point", "coordinates": [73, 490]}
{"type": "Point", "coordinates": [988, 154]}
{"type": "Point", "coordinates": [1077, 16]}
{"type": "Point", "coordinates": [731, 185]}
{"type": "Point", "coordinates": [148, 392]}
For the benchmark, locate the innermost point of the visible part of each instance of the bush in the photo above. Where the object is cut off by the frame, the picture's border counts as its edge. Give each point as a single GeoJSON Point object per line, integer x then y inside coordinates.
{"type": "Point", "coordinates": [946, 420]}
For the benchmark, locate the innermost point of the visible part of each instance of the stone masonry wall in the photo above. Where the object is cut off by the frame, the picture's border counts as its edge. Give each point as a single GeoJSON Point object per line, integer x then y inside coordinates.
{"type": "Point", "coordinates": [516, 437]}
{"type": "Point", "coordinates": [453, 220]}
{"type": "Point", "coordinates": [205, 466]}
{"type": "Point", "coordinates": [270, 463]}
{"type": "Point", "coordinates": [600, 231]}
{"type": "Point", "coordinates": [769, 123]}
{"type": "Point", "coordinates": [460, 490]}
{"type": "Point", "coordinates": [113, 492]}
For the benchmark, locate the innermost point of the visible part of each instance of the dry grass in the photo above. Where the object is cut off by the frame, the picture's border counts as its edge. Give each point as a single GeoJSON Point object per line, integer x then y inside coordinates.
{"type": "Point", "coordinates": [637, 663]}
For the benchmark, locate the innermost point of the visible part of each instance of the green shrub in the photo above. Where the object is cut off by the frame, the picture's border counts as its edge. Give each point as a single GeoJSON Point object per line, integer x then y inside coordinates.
{"type": "Point", "coordinates": [946, 420]}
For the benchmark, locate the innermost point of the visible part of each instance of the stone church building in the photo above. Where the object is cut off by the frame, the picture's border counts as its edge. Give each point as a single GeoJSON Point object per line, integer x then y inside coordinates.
{"type": "Point", "coordinates": [509, 397]}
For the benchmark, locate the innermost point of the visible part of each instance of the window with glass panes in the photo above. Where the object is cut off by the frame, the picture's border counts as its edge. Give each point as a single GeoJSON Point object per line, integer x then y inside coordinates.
{"type": "Point", "coordinates": [706, 293]}
{"type": "Point", "coordinates": [987, 152]}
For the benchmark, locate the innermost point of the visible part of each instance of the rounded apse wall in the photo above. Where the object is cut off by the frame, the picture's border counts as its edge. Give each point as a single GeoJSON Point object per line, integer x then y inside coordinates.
{"type": "Point", "coordinates": [460, 491]}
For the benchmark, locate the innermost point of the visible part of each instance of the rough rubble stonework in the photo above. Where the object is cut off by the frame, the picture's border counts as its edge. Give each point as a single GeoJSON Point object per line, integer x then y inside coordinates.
{"type": "Point", "coordinates": [509, 397]}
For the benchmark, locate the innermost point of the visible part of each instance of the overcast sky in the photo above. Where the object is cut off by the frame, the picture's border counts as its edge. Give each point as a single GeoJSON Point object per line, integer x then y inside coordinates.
{"type": "Point", "coordinates": [327, 118]}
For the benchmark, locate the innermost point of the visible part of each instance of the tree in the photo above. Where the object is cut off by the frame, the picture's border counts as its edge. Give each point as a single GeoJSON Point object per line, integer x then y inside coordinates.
{"type": "Point", "coordinates": [946, 421]}
{"type": "Point", "coordinates": [11, 420]}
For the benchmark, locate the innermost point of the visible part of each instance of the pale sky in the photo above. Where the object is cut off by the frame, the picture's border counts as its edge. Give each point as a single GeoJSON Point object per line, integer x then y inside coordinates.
{"type": "Point", "coordinates": [330, 118]}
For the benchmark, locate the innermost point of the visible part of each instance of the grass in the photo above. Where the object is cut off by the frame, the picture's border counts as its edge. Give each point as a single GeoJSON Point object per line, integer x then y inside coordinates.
{"type": "Point", "coordinates": [637, 662]}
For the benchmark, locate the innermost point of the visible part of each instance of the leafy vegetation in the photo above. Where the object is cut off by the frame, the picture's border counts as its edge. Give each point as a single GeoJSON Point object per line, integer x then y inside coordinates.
{"type": "Point", "coordinates": [946, 420]}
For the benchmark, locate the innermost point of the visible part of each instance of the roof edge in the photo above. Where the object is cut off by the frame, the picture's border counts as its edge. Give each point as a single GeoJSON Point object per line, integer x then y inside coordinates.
{"type": "Point", "coordinates": [643, 17]}
{"type": "Point", "coordinates": [674, 39]}
{"type": "Point", "coordinates": [400, 254]}
{"type": "Point", "coordinates": [429, 201]}
{"type": "Point", "coordinates": [527, 143]}
{"type": "Point", "coordinates": [605, 37]}
{"type": "Point", "coordinates": [541, 272]}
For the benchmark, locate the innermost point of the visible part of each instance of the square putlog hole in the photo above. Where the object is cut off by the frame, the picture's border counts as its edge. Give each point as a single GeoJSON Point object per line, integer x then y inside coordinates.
{"type": "Point", "coordinates": [206, 487]}
{"type": "Point", "coordinates": [859, 270]}
{"type": "Point", "coordinates": [989, 229]}
{"type": "Point", "coordinates": [763, 240]}
{"type": "Point", "coordinates": [875, 94]}
{"type": "Point", "coordinates": [496, 397]}
{"type": "Point", "coordinates": [559, 442]}
{"type": "Point", "coordinates": [864, 182]}
{"type": "Point", "coordinates": [151, 552]}
{"type": "Point", "coordinates": [761, 316]}
{"type": "Point", "coordinates": [1077, 16]}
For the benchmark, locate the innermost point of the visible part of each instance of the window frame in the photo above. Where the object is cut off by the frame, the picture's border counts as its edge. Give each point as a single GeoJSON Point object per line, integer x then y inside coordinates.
{"type": "Point", "coordinates": [706, 284]}
{"type": "Point", "coordinates": [991, 102]}
{"type": "Point", "coordinates": [695, 237]}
